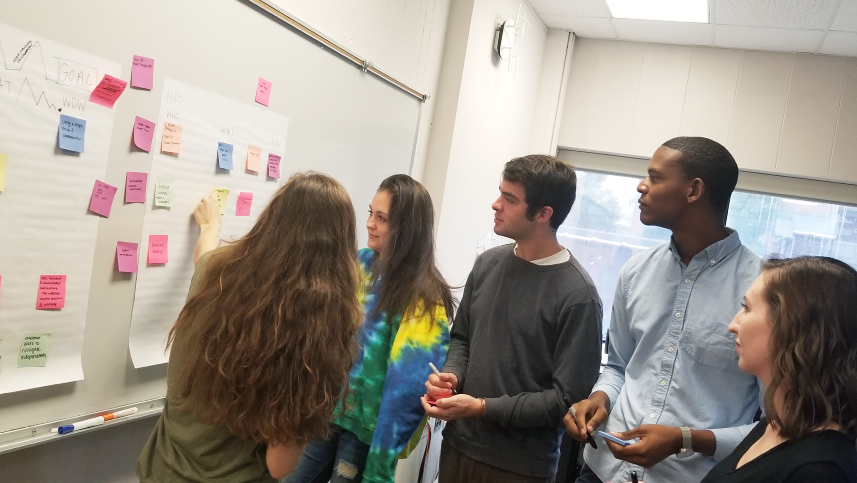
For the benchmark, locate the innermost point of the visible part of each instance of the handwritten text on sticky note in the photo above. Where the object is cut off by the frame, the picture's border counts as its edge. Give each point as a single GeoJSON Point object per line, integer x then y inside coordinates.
{"type": "Point", "coordinates": [102, 198]}
{"type": "Point", "coordinates": [51, 292]}
{"type": "Point", "coordinates": [126, 256]}
{"type": "Point", "coordinates": [224, 156]}
{"type": "Point", "coordinates": [273, 166]}
{"type": "Point", "coordinates": [142, 72]}
{"type": "Point", "coordinates": [222, 194]}
{"type": "Point", "coordinates": [144, 131]}
{"type": "Point", "coordinates": [107, 91]}
{"type": "Point", "coordinates": [135, 187]}
{"type": "Point", "coordinates": [171, 140]}
{"type": "Point", "coordinates": [158, 249]}
{"type": "Point", "coordinates": [164, 192]}
{"type": "Point", "coordinates": [72, 132]}
{"type": "Point", "coordinates": [34, 350]}
{"type": "Point", "coordinates": [242, 208]}
{"type": "Point", "coordinates": [263, 92]}
{"type": "Point", "coordinates": [254, 159]}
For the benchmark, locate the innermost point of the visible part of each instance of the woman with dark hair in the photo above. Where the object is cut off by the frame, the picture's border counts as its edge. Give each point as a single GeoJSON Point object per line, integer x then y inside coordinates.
{"type": "Point", "coordinates": [406, 303]}
{"type": "Point", "coordinates": [262, 348]}
{"type": "Point", "coordinates": [797, 332]}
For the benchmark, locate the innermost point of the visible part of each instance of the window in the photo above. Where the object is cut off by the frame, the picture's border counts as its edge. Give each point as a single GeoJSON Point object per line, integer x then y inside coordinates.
{"type": "Point", "coordinates": [603, 229]}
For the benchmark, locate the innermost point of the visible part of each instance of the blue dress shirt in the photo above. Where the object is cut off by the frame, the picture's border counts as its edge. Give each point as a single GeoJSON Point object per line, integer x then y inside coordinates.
{"type": "Point", "coordinates": [671, 359]}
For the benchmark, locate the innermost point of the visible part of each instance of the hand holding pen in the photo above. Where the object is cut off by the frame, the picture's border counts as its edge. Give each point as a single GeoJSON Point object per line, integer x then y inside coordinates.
{"type": "Point", "coordinates": [443, 379]}
{"type": "Point", "coordinates": [589, 438]}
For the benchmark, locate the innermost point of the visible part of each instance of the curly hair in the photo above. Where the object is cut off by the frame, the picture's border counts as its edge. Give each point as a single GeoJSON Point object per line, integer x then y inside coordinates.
{"type": "Point", "coordinates": [271, 326]}
{"type": "Point", "coordinates": [813, 312]}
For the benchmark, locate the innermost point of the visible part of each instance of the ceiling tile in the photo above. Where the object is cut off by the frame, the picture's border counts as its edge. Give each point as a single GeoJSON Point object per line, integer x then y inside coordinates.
{"type": "Point", "coordinates": [794, 14]}
{"type": "Point", "coordinates": [840, 43]}
{"type": "Point", "coordinates": [846, 18]}
{"type": "Point", "coordinates": [587, 27]}
{"type": "Point", "coordinates": [580, 8]}
{"type": "Point", "coordinates": [680, 33]}
{"type": "Point", "coordinates": [759, 38]}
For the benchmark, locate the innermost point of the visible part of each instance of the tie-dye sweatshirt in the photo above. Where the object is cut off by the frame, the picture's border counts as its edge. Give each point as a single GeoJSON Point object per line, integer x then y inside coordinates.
{"type": "Point", "coordinates": [388, 377]}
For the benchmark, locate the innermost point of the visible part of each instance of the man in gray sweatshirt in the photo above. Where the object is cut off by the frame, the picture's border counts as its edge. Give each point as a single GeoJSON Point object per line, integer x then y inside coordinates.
{"type": "Point", "coordinates": [526, 338]}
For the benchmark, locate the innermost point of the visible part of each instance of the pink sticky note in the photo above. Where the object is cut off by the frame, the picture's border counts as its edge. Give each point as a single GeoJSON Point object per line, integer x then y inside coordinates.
{"type": "Point", "coordinates": [158, 249]}
{"type": "Point", "coordinates": [126, 256]}
{"type": "Point", "coordinates": [142, 72]}
{"type": "Point", "coordinates": [144, 131]}
{"type": "Point", "coordinates": [254, 158]}
{"type": "Point", "coordinates": [135, 187]}
{"type": "Point", "coordinates": [273, 166]}
{"type": "Point", "coordinates": [242, 208]}
{"type": "Point", "coordinates": [102, 198]}
{"type": "Point", "coordinates": [263, 92]}
{"type": "Point", "coordinates": [107, 91]}
{"type": "Point", "coordinates": [51, 292]}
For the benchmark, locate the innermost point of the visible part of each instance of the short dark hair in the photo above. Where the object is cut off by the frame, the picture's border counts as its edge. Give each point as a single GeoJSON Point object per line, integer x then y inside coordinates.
{"type": "Point", "coordinates": [813, 351]}
{"type": "Point", "coordinates": [547, 181]}
{"type": "Point", "coordinates": [712, 163]}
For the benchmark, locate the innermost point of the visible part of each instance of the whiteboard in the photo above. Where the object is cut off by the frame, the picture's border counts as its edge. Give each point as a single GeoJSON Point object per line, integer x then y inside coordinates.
{"type": "Point", "coordinates": [343, 122]}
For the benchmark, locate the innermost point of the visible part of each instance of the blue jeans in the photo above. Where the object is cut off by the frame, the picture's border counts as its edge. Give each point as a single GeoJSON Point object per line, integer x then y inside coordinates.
{"type": "Point", "coordinates": [339, 459]}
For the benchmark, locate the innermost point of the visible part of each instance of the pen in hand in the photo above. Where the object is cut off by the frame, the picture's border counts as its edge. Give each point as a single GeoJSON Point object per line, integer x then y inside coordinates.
{"type": "Point", "coordinates": [437, 373]}
{"type": "Point", "coordinates": [589, 437]}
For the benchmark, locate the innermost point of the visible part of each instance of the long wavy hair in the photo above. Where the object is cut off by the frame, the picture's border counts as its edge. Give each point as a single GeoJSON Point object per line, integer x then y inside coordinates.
{"type": "Point", "coordinates": [407, 264]}
{"type": "Point", "coordinates": [813, 311]}
{"type": "Point", "coordinates": [270, 328]}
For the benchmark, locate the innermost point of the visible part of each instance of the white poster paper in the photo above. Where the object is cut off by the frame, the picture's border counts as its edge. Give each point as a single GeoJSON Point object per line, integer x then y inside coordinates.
{"type": "Point", "coordinates": [206, 119]}
{"type": "Point", "coordinates": [45, 228]}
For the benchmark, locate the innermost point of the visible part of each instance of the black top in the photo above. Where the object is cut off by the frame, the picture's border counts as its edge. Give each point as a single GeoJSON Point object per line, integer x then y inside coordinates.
{"type": "Point", "coordinates": [827, 456]}
{"type": "Point", "coordinates": [527, 338]}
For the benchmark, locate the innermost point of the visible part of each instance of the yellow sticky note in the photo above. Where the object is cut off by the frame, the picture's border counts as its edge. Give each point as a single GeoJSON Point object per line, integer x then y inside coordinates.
{"type": "Point", "coordinates": [254, 159]}
{"type": "Point", "coordinates": [222, 193]}
{"type": "Point", "coordinates": [171, 141]}
{"type": "Point", "coordinates": [2, 172]}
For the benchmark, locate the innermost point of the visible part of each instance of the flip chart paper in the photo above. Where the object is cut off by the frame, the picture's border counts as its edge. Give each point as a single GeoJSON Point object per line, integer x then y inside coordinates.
{"type": "Point", "coordinates": [126, 256]}
{"type": "Point", "coordinates": [158, 249]}
{"type": "Point", "coordinates": [2, 172]}
{"type": "Point", "coordinates": [51, 292]}
{"type": "Point", "coordinates": [263, 92]}
{"type": "Point", "coordinates": [254, 159]}
{"type": "Point", "coordinates": [144, 131]}
{"type": "Point", "coordinates": [224, 156]}
{"type": "Point", "coordinates": [171, 141]}
{"type": "Point", "coordinates": [102, 198]}
{"type": "Point", "coordinates": [34, 350]}
{"type": "Point", "coordinates": [142, 72]}
{"type": "Point", "coordinates": [273, 166]}
{"type": "Point", "coordinates": [108, 91]}
{"type": "Point", "coordinates": [135, 187]}
{"type": "Point", "coordinates": [242, 208]}
{"type": "Point", "coordinates": [222, 194]}
{"type": "Point", "coordinates": [164, 192]}
{"type": "Point", "coordinates": [72, 132]}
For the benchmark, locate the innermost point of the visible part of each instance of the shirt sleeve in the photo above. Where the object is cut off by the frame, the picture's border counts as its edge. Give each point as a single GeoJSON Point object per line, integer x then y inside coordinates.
{"type": "Point", "coordinates": [576, 361]}
{"type": "Point", "coordinates": [620, 348]}
{"type": "Point", "coordinates": [729, 438]}
{"type": "Point", "coordinates": [459, 344]}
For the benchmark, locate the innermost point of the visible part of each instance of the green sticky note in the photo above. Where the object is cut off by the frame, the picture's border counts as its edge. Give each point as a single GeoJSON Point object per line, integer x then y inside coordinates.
{"type": "Point", "coordinates": [164, 192]}
{"type": "Point", "coordinates": [34, 350]}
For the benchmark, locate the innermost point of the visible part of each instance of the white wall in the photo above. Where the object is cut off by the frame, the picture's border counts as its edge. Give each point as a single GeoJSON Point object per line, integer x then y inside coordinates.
{"type": "Point", "coordinates": [547, 116]}
{"type": "Point", "coordinates": [402, 38]}
{"type": "Point", "coordinates": [779, 113]}
{"type": "Point", "coordinates": [484, 119]}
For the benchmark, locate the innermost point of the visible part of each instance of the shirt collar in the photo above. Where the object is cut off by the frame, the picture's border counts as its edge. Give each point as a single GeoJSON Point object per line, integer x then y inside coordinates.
{"type": "Point", "coordinates": [716, 252]}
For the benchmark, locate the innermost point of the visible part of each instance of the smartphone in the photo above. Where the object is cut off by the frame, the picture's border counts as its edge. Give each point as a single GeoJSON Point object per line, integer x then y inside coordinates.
{"type": "Point", "coordinates": [616, 440]}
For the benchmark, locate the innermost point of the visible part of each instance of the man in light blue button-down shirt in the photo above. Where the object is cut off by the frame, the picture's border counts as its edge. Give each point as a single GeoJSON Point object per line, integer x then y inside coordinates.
{"type": "Point", "coordinates": [672, 381]}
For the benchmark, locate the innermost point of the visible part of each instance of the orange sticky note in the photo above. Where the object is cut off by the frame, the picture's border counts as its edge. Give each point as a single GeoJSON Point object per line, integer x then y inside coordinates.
{"type": "Point", "coordinates": [254, 159]}
{"type": "Point", "coordinates": [171, 140]}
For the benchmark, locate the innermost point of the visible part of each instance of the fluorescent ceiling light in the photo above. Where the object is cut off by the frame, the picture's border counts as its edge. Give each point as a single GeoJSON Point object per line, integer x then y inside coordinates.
{"type": "Point", "coordinates": [668, 10]}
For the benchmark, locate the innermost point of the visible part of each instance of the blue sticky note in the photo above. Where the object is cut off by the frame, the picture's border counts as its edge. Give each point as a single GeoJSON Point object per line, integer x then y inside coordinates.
{"type": "Point", "coordinates": [224, 156]}
{"type": "Point", "coordinates": [72, 131]}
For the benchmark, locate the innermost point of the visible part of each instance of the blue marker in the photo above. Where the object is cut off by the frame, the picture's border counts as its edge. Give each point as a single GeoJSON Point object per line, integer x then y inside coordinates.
{"type": "Point", "coordinates": [97, 421]}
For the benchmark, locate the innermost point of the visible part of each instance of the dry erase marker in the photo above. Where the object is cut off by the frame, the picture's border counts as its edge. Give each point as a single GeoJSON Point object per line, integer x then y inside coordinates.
{"type": "Point", "coordinates": [97, 421]}
{"type": "Point", "coordinates": [634, 477]}
{"type": "Point", "coordinates": [589, 438]}
{"type": "Point", "coordinates": [437, 373]}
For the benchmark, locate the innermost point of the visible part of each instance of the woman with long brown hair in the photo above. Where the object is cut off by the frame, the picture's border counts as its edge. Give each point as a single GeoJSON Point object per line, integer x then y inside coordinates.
{"type": "Point", "coordinates": [797, 332]}
{"type": "Point", "coordinates": [261, 350]}
{"type": "Point", "coordinates": [406, 303]}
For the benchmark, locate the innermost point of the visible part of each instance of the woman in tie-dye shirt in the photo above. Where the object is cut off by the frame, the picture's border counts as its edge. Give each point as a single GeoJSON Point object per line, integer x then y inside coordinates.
{"type": "Point", "coordinates": [406, 302]}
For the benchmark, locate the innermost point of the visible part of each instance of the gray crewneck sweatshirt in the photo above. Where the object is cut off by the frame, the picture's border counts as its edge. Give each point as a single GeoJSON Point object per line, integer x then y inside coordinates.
{"type": "Point", "coordinates": [527, 338]}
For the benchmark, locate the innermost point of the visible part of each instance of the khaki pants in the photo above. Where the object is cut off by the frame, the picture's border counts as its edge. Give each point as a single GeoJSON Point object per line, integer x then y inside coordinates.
{"type": "Point", "coordinates": [455, 467]}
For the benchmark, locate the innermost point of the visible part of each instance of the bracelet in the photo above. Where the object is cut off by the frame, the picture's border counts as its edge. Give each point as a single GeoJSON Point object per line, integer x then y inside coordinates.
{"type": "Point", "coordinates": [481, 408]}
